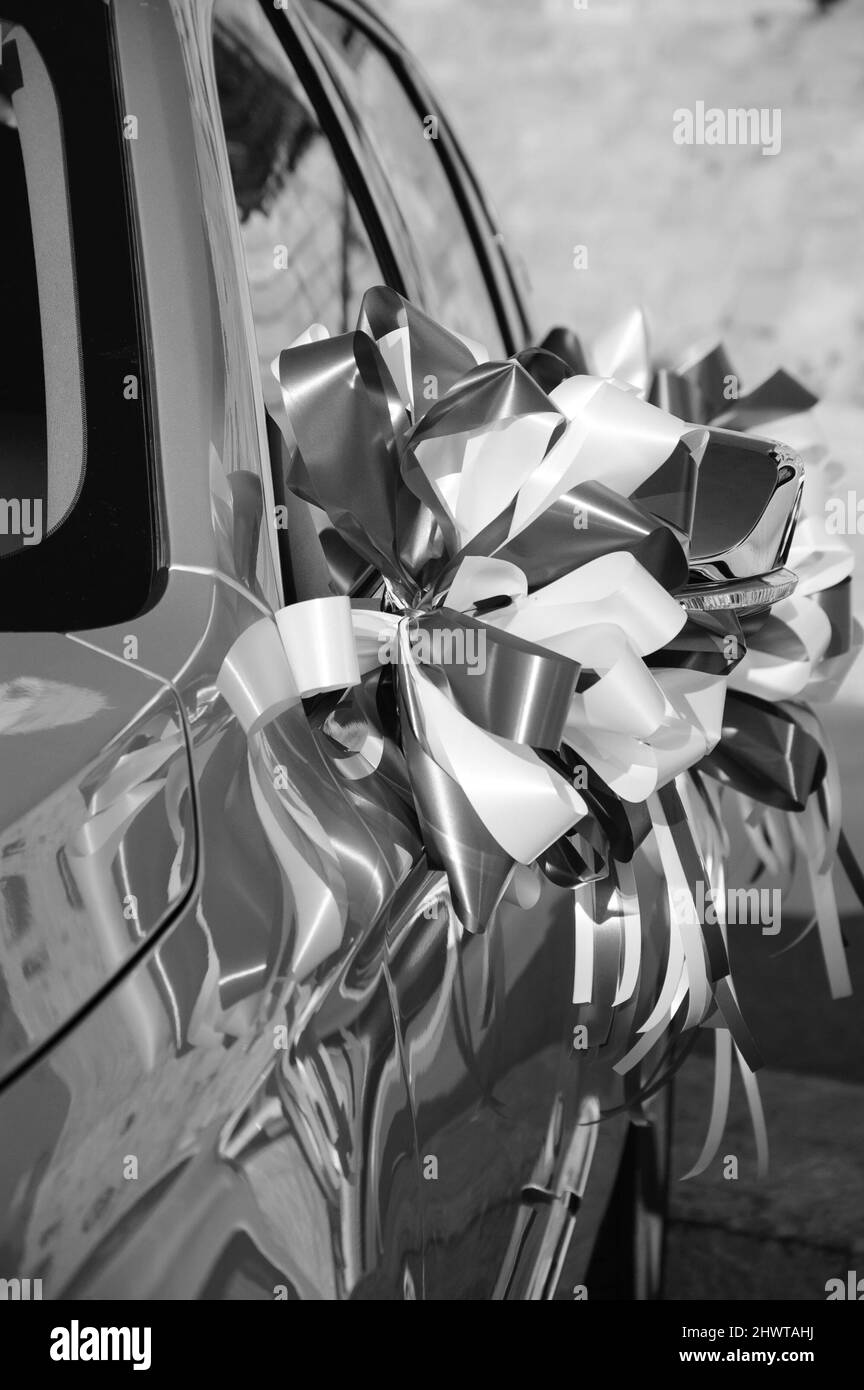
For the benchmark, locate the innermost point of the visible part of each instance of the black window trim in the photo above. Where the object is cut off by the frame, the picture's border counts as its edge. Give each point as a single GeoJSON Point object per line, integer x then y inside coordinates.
{"type": "Point", "coordinates": [307, 63]}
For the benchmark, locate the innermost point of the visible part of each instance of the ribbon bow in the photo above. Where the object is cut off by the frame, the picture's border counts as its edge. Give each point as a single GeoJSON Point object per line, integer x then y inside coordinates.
{"type": "Point", "coordinates": [553, 631]}
{"type": "Point", "coordinates": [544, 665]}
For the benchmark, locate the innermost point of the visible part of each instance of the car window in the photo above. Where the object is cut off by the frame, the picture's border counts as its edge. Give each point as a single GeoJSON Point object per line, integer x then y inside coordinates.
{"type": "Point", "coordinates": [41, 424]}
{"type": "Point", "coordinates": [79, 539]}
{"type": "Point", "coordinates": [454, 287]}
{"type": "Point", "coordinates": [308, 256]}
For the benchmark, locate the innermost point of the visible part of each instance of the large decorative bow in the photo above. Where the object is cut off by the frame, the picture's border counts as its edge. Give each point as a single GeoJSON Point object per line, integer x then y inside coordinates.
{"type": "Point", "coordinates": [554, 626]}
{"type": "Point", "coordinates": [534, 550]}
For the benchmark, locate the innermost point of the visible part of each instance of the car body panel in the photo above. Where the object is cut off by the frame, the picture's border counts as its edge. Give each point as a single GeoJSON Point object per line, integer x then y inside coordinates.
{"type": "Point", "coordinates": [488, 1029]}
{"type": "Point", "coordinates": [97, 844]}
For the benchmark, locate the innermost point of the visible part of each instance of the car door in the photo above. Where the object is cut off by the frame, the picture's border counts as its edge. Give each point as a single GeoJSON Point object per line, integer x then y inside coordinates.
{"type": "Point", "coordinates": [98, 847]}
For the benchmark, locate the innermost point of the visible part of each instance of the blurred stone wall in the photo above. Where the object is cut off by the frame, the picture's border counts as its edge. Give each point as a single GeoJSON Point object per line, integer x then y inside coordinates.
{"type": "Point", "coordinates": [566, 109]}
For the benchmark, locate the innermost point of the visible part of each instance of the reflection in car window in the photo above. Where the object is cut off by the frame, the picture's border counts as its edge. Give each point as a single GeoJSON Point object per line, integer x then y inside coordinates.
{"type": "Point", "coordinates": [455, 290]}
{"type": "Point", "coordinates": [308, 257]}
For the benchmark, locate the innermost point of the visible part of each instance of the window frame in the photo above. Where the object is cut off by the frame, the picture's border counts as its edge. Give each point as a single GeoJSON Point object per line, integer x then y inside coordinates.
{"type": "Point", "coordinates": [485, 235]}
{"type": "Point", "coordinates": [317, 82]}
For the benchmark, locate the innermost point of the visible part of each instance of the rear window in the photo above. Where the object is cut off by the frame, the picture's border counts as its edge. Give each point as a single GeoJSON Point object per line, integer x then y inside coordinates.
{"type": "Point", "coordinates": [77, 502]}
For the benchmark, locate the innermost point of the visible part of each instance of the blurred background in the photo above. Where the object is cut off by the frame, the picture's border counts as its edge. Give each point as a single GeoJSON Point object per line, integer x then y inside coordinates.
{"type": "Point", "coordinates": [565, 108]}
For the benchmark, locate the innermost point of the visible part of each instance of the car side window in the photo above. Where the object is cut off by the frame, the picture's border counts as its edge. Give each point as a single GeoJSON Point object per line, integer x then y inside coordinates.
{"type": "Point", "coordinates": [79, 533]}
{"type": "Point", "coordinates": [308, 256]}
{"type": "Point", "coordinates": [454, 287]}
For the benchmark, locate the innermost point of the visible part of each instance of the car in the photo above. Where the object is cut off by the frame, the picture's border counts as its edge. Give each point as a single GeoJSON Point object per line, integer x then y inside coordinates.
{"type": "Point", "coordinates": [247, 1050]}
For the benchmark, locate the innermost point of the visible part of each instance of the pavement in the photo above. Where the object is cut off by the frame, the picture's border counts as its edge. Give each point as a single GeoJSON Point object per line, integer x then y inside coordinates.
{"type": "Point", "coordinates": [565, 107]}
{"type": "Point", "coordinates": [743, 1238]}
